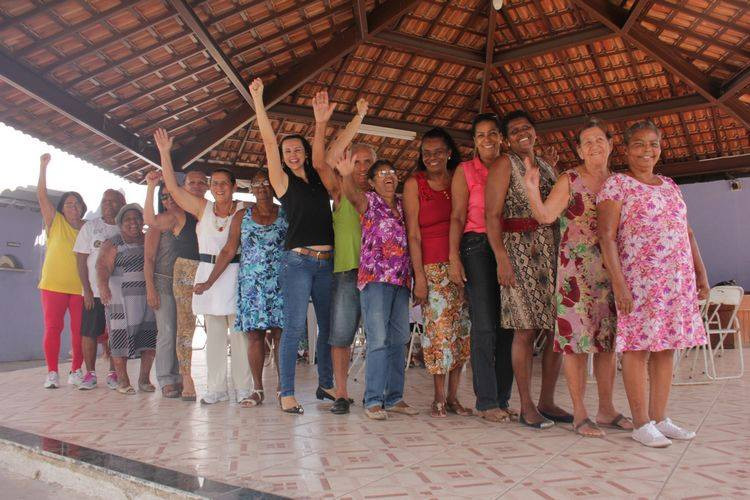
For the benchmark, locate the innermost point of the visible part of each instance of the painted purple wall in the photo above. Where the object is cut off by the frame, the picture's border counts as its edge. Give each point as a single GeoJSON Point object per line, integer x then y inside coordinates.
{"type": "Point", "coordinates": [720, 219]}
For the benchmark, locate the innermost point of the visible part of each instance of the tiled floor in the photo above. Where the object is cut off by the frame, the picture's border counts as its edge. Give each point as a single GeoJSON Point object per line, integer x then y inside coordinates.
{"type": "Point", "coordinates": [323, 455]}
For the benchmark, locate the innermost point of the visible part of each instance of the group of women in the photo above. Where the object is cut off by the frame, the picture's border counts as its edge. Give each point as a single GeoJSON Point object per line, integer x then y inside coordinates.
{"type": "Point", "coordinates": [501, 253]}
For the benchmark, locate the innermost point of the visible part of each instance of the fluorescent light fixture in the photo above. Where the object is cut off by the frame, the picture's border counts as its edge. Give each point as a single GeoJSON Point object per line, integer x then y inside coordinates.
{"type": "Point", "coordinates": [393, 133]}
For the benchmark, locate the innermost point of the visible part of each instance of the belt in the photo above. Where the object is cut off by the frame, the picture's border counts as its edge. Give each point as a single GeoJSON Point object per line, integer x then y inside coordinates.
{"type": "Point", "coordinates": [520, 225]}
{"type": "Point", "coordinates": [211, 259]}
{"type": "Point", "coordinates": [318, 254]}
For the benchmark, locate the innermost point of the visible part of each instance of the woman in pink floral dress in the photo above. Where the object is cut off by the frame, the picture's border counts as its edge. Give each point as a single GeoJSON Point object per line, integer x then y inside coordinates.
{"type": "Point", "coordinates": [657, 276]}
{"type": "Point", "coordinates": [585, 304]}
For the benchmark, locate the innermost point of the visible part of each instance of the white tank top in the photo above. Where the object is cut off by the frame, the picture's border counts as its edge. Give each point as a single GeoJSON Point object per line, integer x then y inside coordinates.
{"type": "Point", "coordinates": [221, 298]}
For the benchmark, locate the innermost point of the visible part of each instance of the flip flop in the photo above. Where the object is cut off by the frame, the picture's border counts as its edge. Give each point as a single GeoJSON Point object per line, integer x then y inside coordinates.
{"type": "Point", "coordinates": [587, 421]}
{"type": "Point", "coordinates": [146, 387]}
{"type": "Point", "coordinates": [437, 410]}
{"type": "Point", "coordinates": [563, 419]}
{"type": "Point", "coordinates": [457, 408]}
{"type": "Point", "coordinates": [616, 423]}
{"type": "Point", "coordinates": [496, 415]}
{"type": "Point", "coordinates": [188, 397]}
{"type": "Point", "coordinates": [544, 424]}
{"type": "Point", "coordinates": [128, 391]}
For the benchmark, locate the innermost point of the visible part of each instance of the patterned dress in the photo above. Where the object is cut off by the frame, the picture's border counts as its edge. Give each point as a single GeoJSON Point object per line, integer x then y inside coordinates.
{"type": "Point", "coordinates": [445, 341]}
{"type": "Point", "coordinates": [131, 323]}
{"type": "Point", "coordinates": [656, 259]}
{"type": "Point", "coordinates": [586, 316]}
{"type": "Point", "coordinates": [259, 300]}
{"type": "Point", "coordinates": [530, 304]}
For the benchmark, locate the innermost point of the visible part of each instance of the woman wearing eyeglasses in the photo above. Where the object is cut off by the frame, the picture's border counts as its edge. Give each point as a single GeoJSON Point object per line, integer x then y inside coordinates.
{"type": "Point", "coordinates": [258, 232]}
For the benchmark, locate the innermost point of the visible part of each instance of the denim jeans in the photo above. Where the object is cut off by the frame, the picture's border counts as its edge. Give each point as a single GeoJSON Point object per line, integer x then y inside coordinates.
{"type": "Point", "coordinates": [491, 364]}
{"type": "Point", "coordinates": [165, 364]}
{"type": "Point", "coordinates": [385, 309]}
{"type": "Point", "coordinates": [345, 308]}
{"type": "Point", "coordinates": [303, 277]}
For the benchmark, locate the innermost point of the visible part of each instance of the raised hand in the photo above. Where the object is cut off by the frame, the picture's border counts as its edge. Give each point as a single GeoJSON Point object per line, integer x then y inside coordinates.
{"type": "Point", "coordinates": [362, 106]}
{"type": "Point", "coordinates": [44, 160]}
{"type": "Point", "coordinates": [345, 164]}
{"type": "Point", "coordinates": [551, 156]}
{"type": "Point", "coordinates": [322, 107]}
{"type": "Point", "coordinates": [163, 140]}
{"type": "Point", "coordinates": [532, 176]}
{"type": "Point", "coordinates": [153, 178]}
{"type": "Point", "coordinates": [256, 89]}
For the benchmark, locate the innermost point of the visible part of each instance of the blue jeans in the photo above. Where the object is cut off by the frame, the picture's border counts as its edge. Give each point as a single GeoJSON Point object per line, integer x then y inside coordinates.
{"type": "Point", "coordinates": [303, 276]}
{"type": "Point", "coordinates": [345, 309]}
{"type": "Point", "coordinates": [385, 309]}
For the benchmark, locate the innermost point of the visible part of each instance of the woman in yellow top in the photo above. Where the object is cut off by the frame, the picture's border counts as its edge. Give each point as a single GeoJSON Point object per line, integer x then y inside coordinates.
{"type": "Point", "coordinates": [60, 285]}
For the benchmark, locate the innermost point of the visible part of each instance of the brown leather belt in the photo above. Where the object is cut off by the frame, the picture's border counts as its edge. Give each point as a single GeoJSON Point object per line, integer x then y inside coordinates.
{"type": "Point", "coordinates": [318, 254]}
{"type": "Point", "coordinates": [520, 225]}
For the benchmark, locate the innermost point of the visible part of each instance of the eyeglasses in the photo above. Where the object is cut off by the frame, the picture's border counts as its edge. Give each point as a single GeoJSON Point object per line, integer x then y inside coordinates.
{"type": "Point", "coordinates": [385, 173]}
{"type": "Point", "coordinates": [260, 183]}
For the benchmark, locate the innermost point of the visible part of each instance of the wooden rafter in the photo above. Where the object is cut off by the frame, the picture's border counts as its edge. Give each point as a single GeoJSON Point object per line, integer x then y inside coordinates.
{"type": "Point", "coordinates": [489, 52]}
{"type": "Point", "coordinates": [360, 18]}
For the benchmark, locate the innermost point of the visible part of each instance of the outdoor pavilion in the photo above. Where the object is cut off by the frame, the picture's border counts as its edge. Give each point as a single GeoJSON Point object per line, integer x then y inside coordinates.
{"type": "Point", "coordinates": [97, 77]}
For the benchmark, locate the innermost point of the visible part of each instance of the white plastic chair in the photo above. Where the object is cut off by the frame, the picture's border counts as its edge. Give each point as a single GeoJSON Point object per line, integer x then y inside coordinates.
{"type": "Point", "coordinates": [717, 297]}
{"type": "Point", "coordinates": [697, 351]}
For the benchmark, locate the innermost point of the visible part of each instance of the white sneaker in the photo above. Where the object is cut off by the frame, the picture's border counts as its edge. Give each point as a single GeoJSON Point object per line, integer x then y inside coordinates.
{"type": "Point", "coordinates": [52, 381]}
{"type": "Point", "coordinates": [112, 380]}
{"type": "Point", "coordinates": [649, 435]}
{"type": "Point", "coordinates": [672, 431]}
{"type": "Point", "coordinates": [75, 378]}
{"type": "Point", "coordinates": [214, 397]}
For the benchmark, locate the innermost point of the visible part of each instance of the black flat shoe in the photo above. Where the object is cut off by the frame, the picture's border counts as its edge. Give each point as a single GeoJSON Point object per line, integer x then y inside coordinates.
{"type": "Point", "coordinates": [563, 419]}
{"type": "Point", "coordinates": [544, 424]}
{"type": "Point", "coordinates": [296, 410]}
{"type": "Point", "coordinates": [322, 394]}
{"type": "Point", "coordinates": [340, 406]}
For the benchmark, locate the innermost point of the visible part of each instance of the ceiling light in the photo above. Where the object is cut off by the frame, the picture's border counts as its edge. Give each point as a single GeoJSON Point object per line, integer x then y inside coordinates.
{"type": "Point", "coordinates": [393, 133]}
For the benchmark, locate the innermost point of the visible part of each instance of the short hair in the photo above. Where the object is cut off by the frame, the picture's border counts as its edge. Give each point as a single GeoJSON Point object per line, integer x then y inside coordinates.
{"type": "Point", "coordinates": [515, 115]}
{"type": "Point", "coordinates": [364, 145]}
{"type": "Point", "coordinates": [376, 166]}
{"type": "Point", "coordinates": [75, 195]}
{"type": "Point", "coordinates": [638, 126]}
{"type": "Point", "coordinates": [593, 122]}
{"type": "Point", "coordinates": [485, 117]}
{"type": "Point", "coordinates": [454, 155]}
{"type": "Point", "coordinates": [232, 177]}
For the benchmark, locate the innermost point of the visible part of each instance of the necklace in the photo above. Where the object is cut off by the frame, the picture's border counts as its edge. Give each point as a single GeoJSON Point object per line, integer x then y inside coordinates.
{"type": "Point", "coordinates": [221, 222]}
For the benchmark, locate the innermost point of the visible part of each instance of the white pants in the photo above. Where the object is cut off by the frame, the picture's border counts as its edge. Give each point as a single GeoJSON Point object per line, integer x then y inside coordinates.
{"type": "Point", "coordinates": [216, 356]}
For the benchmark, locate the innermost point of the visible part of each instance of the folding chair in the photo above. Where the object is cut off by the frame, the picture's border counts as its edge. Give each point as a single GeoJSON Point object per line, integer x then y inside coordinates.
{"type": "Point", "coordinates": [721, 329]}
{"type": "Point", "coordinates": [416, 332]}
{"type": "Point", "coordinates": [358, 353]}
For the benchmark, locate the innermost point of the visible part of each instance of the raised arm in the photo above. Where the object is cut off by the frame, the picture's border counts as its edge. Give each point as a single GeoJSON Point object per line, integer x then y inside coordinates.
{"type": "Point", "coordinates": [323, 110]}
{"type": "Point", "coordinates": [459, 207]}
{"type": "Point", "coordinates": [105, 264]}
{"type": "Point", "coordinates": [226, 255]}
{"type": "Point", "coordinates": [608, 220]}
{"type": "Point", "coordinates": [547, 211]}
{"type": "Point", "coordinates": [277, 177]}
{"type": "Point", "coordinates": [701, 275]}
{"type": "Point", "coordinates": [151, 245]}
{"type": "Point", "coordinates": [45, 205]}
{"type": "Point", "coordinates": [414, 234]}
{"type": "Point", "coordinates": [346, 136]}
{"type": "Point", "coordinates": [149, 213]}
{"type": "Point", "coordinates": [357, 198]}
{"type": "Point", "coordinates": [188, 201]}
{"type": "Point", "coordinates": [498, 180]}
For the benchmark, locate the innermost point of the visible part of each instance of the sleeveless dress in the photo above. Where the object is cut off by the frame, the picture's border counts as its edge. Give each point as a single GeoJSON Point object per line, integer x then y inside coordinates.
{"type": "Point", "coordinates": [656, 259]}
{"type": "Point", "coordinates": [259, 300]}
{"type": "Point", "coordinates": [586, 316]}
{"type": "Point", "coordinates": [445, 339]}
{"type": "Point", "coordinates": [221, 298]}
{"type": "Point", "coordinates": [131, 323]}
{"type": "Point", "coordinates": [530, 304]}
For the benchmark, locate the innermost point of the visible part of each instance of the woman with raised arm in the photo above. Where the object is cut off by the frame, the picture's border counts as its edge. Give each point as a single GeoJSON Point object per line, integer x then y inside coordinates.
{"type": "Point", "coordinates": [122, 286]}
{"type": "Point", "coordinates": [258, 232]}
{"type": "Point", "coordinates": [657, 276]}
{"type": "Point", "coordinates": [472, 263]}
{"type": "Point", "coordinates": [181, 225]}
{"type": "Point", "coordinates": [218, 305]}
{"type": "Point", "coordinates": [526, 256]}
{"type": "Point", "coordinates": [586, 316]}
{"type": "Point", "coordinates": [345, 308]}
{"type": "Point", "coordinates": [308, 266]}
{"type": "Point", "coordinates": [383, 280]}
{"type": "Point", "coordinates": [427, 202]}
{"type": "Point", "coordinates": [59, 283]}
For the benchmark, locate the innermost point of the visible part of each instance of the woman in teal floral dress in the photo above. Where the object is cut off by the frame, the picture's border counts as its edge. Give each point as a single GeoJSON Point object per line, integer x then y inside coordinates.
{"type": "Point", "coordinates": [256, 241]}
{"type": "Point", "coordinates": [586, 316]}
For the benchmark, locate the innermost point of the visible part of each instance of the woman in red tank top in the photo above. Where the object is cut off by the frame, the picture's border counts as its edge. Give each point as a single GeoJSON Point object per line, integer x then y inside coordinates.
{"type": "Point", "coordinates": [427, 203]}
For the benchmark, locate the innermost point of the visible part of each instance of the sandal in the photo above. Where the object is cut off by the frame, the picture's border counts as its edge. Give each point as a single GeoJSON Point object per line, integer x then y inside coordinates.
{"type": "Point", "coordinates": [591, 425]}
{"type": "Point", "coordinates": [458, 409]}
{"type": "Point", "coordinates": [128, 391]}
{"type": "Point", "coordinates": [296, 410]}
{"type": "Point", "coordinates": [170, 391]}
{"type": "Point", "coordinates": [496, 415]}
{"type": "Point", "coordinates": [254, 399]}
{"type": "Point", "coordinates": [438, 410]}
{"type": "Point", "coordinates": [147, 387]}
{"type": "Point", "coordinates": [617, 422]}
{"type": "Point", "coordinates": [512, 413]}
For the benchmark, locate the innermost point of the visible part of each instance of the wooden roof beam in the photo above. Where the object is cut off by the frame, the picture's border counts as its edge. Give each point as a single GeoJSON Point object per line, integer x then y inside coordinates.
{"type": "Point", "coordinates": [30, 83]}
{"type": "Point", "coordinates": [560, 42]}
{"type": "Point", "coordinates": [430, 48]}
{"type": "Point", "coordinates": [708, 166]}
{"type": "Point", "coordinates": [735, 85]}
{"type": "Point", "coordinates": [489, 51]}
{"type": "Point", "coordinates": [360, 18]}
{"type": "Point", "coordinates": [191, 20]}
{"type": "Point", "coordinates": [308, 68]}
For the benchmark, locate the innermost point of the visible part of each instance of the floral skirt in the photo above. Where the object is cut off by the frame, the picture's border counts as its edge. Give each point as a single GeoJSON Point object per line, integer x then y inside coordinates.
{"type": "Point", "coordinates": [445, 342]}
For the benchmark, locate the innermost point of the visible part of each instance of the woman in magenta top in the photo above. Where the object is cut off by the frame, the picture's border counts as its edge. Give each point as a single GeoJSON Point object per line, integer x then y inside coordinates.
{"type": "Point", "coordinates": [427, 201]}
{"type": "Point", "coordinates": [383, 279]}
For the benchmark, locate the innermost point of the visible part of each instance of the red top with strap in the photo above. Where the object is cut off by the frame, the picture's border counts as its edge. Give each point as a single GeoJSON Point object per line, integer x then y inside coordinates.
{"type": "Point", "coordinates": [434, 220]}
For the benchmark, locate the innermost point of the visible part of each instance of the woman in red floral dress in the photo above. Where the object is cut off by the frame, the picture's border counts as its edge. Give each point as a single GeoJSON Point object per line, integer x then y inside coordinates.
{"type": "Point", "coordinates": [586, 317]}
